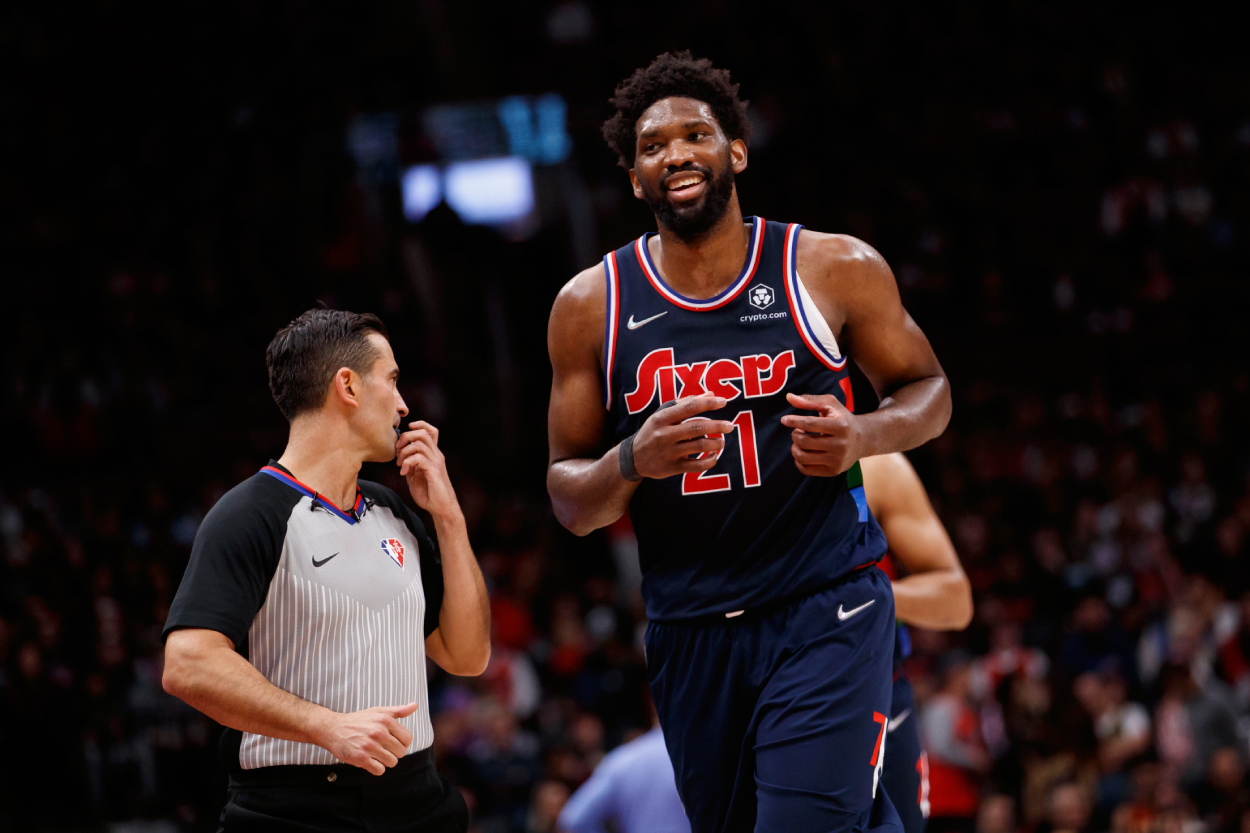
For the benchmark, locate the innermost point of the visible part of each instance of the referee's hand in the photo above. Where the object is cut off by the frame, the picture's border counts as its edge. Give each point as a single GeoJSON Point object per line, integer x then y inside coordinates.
{"type": "Point", "coordinates": [372, 739]}
{"type": "Point", "coordinates": [422, 464]}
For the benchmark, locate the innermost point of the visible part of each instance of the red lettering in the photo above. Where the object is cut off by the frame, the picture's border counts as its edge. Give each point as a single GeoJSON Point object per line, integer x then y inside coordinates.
{"type": "Point", "coordinates": [745, 420]}
{"type": "Point", "coordinates": [691, 376]}
{"type": "Point", "coordinates": [656, 366]}
{"type": "Point", "coordinates": [658, 374]}
{"type": "Point", "coordinates": [718, 376]}
{"type": "Point", "coordinates": [878, 717]}
{"type": "Point", "coordinates": [845, 384]}
{"type": "Point", "coordinates": [752, 367]}
{"type": "Point", "coordinates": [782, 365]}
{"type": "Point", "coordinates": [694, 483]}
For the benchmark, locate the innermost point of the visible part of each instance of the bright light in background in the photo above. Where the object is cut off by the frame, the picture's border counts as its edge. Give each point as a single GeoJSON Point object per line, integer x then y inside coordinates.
{"type": "Point", "coordinates": [490, 191]}
{"type": "Point", "coordinates": [422, 190]}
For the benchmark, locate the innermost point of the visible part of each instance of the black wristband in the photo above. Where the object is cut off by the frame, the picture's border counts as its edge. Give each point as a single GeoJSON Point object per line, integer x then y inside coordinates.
{"type": "Point", "coordinates": [625, 456]}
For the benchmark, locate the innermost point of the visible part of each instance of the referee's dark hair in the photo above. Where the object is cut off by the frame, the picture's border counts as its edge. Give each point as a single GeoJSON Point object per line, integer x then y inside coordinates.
{"type": "Point", "coordinates": [305, 354]}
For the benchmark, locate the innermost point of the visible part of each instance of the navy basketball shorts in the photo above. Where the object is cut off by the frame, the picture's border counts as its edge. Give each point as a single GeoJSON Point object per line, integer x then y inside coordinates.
{"type": "Point", "coordinates": [410, 797]}
{"type": "Point", "coordinates": [906, 774]}
{"type": "Point", "coordinates": [776, 721]}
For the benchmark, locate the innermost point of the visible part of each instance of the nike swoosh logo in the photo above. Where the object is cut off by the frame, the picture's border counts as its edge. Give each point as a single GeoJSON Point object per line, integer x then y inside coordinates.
{"type": "Point", "coordinates": [633, 325]}
{"type": "Point", "coordinates": [847, 614]}
{"type": "Point", "coordinates": [897, 721]}
{"type": "Point", "coordinates": [317, 563]}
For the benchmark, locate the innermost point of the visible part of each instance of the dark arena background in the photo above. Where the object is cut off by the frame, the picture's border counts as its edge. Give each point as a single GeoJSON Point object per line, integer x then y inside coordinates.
{"type": "Point", "coordinates": [1061, 190]}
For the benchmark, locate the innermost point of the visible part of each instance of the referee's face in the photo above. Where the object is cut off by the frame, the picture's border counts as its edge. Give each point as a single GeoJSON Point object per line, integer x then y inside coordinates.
{"type": "Point", "coordinates": [381, 406]}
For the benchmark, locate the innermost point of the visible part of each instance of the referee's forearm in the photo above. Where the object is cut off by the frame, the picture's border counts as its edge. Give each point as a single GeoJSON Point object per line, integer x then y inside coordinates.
{"type": "Point", "coordinates": [464, 618]}
{"type": "Point", "coordinates": [217, 681]}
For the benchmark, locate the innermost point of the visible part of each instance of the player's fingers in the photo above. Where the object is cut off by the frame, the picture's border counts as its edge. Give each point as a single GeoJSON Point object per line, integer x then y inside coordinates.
{"type": "Point", "coordinates": [698, 427]}
{"type": "Point", "coordinates": [700, 464]}
{"type": "Point", "coordinates": [809, 458]}
{"type": "Point", "coordinates": [697, 446]}
{"type": "Point", "coordinates": [812, 425]}
{"type": "Point", "coordinates": [812, 442]}
{"type": "Point", "coordinates": [688, 407]}
{"type": "Point", "coordinates": [815, 402]}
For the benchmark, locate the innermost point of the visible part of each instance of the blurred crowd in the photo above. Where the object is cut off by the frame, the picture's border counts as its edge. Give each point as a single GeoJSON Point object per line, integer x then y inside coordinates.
{"type": "Point", "coordinates": [1061, 192]}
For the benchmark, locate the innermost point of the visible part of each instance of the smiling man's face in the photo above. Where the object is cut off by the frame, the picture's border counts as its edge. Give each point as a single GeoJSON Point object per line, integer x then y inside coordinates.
{"type": "Point", "coordinates": [684, 165]}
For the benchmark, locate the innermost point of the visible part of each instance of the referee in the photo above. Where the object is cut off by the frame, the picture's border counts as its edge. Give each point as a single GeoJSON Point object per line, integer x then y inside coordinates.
{"type": "Point", "coordinates": [312, 600]}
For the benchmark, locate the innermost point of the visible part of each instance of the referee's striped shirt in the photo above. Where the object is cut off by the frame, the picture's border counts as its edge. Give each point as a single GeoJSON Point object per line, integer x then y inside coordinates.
{"type": "Point", "coordinates": [330, 605]}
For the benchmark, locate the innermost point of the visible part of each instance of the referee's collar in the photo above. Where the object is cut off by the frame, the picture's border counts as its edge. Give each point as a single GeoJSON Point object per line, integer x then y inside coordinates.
{"type": "Point", "coordinates": [280, 473]}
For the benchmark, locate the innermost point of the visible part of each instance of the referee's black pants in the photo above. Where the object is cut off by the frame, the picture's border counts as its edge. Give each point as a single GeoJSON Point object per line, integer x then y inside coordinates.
{"type": "Point", "coordinates": [410, 797]}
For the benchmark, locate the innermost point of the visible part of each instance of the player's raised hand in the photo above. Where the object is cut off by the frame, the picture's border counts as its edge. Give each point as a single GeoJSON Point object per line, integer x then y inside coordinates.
{"type": "Point", "coordinates": [372, 739]}
{"type": "Point", "coordinates": [421, 461]}
{"type": "Point", "coordinates": [824, 445]}
{"type": "Point", "coordinates": [669, 438]}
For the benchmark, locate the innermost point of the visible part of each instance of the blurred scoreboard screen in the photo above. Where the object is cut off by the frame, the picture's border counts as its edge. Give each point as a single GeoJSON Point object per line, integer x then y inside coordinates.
{"type": "Point", "coordinates": [486, 153]}
{"type": "Point", "coordinates": [528, 127]}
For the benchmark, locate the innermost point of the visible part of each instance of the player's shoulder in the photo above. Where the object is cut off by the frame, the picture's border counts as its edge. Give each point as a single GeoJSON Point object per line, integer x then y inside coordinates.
{"type": "Point", "coordinates": [893, 467]}
{"type": "Point", "coordinates": [892, 484]}
{"type": "Point", "coordinates": [579, 311]}
{"type": "Point", "coordinates": [585, 292]}
{"type": "Point", "coordinates": [838, 252]}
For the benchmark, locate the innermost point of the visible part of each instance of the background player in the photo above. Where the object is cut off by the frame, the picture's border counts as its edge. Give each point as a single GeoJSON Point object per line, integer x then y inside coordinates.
{"type": "Point", "coordinates": [631, 791]}
{"type": "Point", "coordinates": [932, 592]}
{"type": "Point", "coordinates": [751, 552]}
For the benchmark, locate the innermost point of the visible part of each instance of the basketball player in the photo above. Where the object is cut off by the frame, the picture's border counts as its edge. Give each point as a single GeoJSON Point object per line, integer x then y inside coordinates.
{"type": "Point", "coordinates": [312, 600]}
{"type": "Point", "coordinates": [933, 593]}
{"type": "Point", "coordinates": [753, 529]}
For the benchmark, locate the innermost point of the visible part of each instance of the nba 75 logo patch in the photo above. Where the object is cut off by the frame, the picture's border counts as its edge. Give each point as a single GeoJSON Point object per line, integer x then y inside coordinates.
{"type": "Point", "coordinates": [393, 548]}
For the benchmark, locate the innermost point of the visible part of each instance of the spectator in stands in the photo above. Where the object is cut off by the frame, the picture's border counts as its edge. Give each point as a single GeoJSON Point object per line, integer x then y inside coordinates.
{"type": "Point", "coordinates": [957, 755]}
{"type": "Point", "coordinates": [1121, 727]}
{"type": "Point", "coordinates": [1067, 809]}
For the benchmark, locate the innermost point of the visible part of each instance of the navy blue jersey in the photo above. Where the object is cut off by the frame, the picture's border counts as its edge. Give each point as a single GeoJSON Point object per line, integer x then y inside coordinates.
{"type": "Point", "coordinates": [752, 531]}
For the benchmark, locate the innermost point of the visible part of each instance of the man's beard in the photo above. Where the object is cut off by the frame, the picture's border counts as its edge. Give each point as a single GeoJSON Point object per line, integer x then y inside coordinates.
{"type": "Point", "coordinates": [692, 222]}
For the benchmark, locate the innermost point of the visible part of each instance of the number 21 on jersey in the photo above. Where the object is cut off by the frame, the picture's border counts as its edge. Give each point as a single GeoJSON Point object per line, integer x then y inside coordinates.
{"type": "Point", "coordinates": [694, 483]}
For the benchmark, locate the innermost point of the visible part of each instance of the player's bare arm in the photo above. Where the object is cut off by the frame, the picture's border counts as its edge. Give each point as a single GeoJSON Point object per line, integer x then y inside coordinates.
{"type": "Point", "coordinates": [588, 490]}
{"type": "Point", "coordinates": [203, 670]}
{"type": "Point", "coordinates": [854, 289]}
{"type": "Point", "coordinates": [461, 643]}
{"type": "Point", "coordinates": [935, 594]}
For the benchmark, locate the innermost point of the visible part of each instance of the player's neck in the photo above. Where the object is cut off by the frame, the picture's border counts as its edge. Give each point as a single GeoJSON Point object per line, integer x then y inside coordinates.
{"type": "Point", "coordinates": [705, 266]}
{"type": "Point", "coordinates": [323, 461]}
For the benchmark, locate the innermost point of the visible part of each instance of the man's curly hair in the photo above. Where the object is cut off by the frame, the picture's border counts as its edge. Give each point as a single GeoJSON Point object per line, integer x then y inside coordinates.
{"type": "Point", "coordinates": [673, 74]}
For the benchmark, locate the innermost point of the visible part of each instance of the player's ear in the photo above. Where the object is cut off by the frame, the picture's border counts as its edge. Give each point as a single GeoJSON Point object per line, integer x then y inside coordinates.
{"type": "Point", "coordinates": [633, 180]}
{"type": "Point", "coordinates": [738, 155]}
